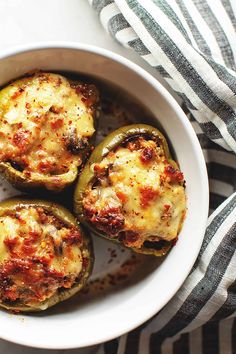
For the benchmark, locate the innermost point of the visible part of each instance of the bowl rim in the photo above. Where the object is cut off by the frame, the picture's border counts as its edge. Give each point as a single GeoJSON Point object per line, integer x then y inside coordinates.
{"type": "Point", "coordinates": [77, 46]}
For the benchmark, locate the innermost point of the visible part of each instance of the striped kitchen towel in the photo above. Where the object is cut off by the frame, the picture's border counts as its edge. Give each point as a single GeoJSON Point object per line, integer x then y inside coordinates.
{"type": "Point", "coordinates": [192, 44]}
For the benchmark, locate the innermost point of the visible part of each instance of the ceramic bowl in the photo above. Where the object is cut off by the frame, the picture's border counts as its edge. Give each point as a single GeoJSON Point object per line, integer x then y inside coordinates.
{"type": "Point", "coordinates": [93, 319]}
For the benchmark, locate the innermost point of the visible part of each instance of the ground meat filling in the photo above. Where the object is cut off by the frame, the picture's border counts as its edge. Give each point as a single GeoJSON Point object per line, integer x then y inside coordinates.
{"type": "Point", "coordinates": [46, 123]}
{"type": "Point", "coordinates": [138, 196]}
{"type": "Point", "coordinates": [39, 255]}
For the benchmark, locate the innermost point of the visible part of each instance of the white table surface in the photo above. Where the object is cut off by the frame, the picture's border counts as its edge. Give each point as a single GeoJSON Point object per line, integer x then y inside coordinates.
{"type": "Point", "coordinates": [25, 21]}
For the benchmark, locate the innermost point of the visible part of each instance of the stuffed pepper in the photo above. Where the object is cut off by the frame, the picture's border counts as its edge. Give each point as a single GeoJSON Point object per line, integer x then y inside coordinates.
{"type": "Point", "coordinates": [45, 257]}
{"type": "Point", "coordinates": [46, 126]}
{"type": "Point", "coordinates": [131, 191]}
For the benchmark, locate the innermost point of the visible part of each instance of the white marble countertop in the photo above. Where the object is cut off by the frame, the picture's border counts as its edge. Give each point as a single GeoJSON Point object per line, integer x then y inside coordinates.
{"type": "Point", "coordinates": [25, 21]}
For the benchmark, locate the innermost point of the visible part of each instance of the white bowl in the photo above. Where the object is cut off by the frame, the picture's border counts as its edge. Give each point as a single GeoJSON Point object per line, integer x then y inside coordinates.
{"type": "Point", "coordinates": [115, 313]}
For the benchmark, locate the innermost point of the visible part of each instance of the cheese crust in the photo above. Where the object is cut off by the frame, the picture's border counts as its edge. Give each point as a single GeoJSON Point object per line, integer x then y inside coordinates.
{"type": "Point", "coordinates": [138, 196]}
{"type": "Point", "coordinates": [46, 122]}
{"type": "Point", "coordinates": [40, 255]}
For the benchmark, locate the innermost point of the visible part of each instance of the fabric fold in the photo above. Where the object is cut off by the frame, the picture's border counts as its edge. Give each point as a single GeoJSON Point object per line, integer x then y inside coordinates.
{"type": "Point", "coordinates": [192, 44]}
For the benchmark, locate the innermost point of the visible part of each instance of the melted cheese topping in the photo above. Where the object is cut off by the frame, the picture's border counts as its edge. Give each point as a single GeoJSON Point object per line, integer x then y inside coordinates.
{"type": "Point", "coordinates": [45, 123]}
{"type": "Point", "coordinates": [141, 186]}
{"type": "Point", "coordinates": [38, 255]}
